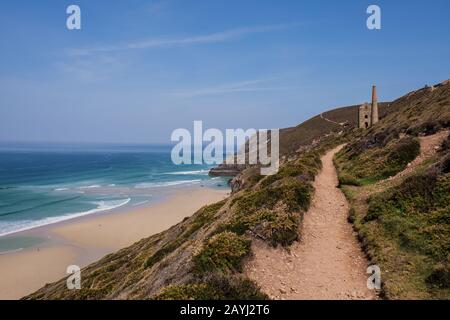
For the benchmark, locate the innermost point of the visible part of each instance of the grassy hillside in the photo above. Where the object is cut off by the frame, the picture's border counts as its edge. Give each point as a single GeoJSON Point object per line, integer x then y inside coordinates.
{"type": "Point", "coordinates": [293, 140]}
{"type": "Point", "coordinates": [403, 222]}
{"type": "Point", "coordinates": [202, 257]}
{"type": "Point", "coordinates": [345, 118]}
{"type": "Point", "coordinates": [389, 146]}
{"type": "Point", "coordinates": [300, 138]}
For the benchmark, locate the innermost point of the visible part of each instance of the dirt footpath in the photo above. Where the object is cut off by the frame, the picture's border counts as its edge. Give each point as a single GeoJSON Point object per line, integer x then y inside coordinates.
{"type": "Point", "coordinates": [327, 263]}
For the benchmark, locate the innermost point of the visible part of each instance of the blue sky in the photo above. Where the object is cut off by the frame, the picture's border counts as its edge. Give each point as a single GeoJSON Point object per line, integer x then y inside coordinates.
{"type": "Point", "coordinates": [139, 69]}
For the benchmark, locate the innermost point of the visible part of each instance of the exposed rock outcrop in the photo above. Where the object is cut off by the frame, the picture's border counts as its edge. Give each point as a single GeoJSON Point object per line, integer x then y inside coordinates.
{"type": "Point", "coordinates": [227, 170]}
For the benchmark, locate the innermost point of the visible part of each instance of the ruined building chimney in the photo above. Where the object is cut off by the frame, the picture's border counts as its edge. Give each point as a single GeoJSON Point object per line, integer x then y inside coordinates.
{"type": "Point", "coordinates": [374, 105]}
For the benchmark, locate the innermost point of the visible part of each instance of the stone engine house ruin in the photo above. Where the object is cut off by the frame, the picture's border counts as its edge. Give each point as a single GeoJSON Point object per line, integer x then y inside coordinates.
{"type": "Point", "coordinates": [368, 113]}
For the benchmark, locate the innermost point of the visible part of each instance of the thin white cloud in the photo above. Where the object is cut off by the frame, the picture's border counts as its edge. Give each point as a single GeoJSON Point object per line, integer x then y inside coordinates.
{"type": "Point", "coordinates": [217, 37]}
{"type": "Point", "coordinates": [90, 69]}
{"type": "Point", "coordinates": [243, 86]}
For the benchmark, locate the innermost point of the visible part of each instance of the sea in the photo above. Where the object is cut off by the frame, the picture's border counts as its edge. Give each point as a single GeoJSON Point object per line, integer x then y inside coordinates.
{"type": "Point", "coordinates": [42, 184]}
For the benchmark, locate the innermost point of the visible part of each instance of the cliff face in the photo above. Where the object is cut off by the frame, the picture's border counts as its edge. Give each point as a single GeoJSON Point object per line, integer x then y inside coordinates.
{"type": "Point", "coordinates": [227, 170]}
{"type": "Point", "coordinates": [202, 256]}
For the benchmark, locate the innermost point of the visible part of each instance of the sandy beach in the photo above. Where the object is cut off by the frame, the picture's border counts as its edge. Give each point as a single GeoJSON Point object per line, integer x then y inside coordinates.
{"type": "Point", "coordinates": [84, 240]}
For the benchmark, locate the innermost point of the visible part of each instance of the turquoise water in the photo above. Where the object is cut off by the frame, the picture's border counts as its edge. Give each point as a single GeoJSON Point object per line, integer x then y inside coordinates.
{"type": "Point", "coordinates": [17, 243]}
{"type": "Point", "coordinates": [44, 184]}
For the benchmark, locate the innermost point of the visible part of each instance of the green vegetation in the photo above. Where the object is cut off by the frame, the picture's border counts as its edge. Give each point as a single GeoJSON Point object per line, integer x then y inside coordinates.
{"type": "Point", "coordinates": [276, 227]}
{"type": "Point", "coordinates": [303, 168]}
{"type": "Point", "coordinates": [293, 192]}
{"type": "Point", "coordinates": [416, 213]}
{"type": "Point", "coordinates": [404, 229]}
{"type": "Point", "coordinates": [268, 207]}
{"type": "Point", "coordinates": [217, 267]}
{"type": "Point", "coordinates": [186, 292]}
{"type": "Point", "coordinates": [403, 224]}
{"type": "Point", "coordinates": [222, 252]}
{"type": "Point", "coordinates": [200, 218]}
{"type": "Point", "coordinates": [272, 209]}
{"type": "Point", "coordinates": [305, 134]}
{"type": "Point", "coordinates": [446, 144]}
{"type": "Point", "coordinates": [271, 213]}
{"type": "Point", "coordinates": [419, 112]}
{"type": "Point", "coordinates": [373, 164]}
{"type": "Point", "coordinates": [214, 287]}
{"type": "Point", "coordinates": [349, 179]}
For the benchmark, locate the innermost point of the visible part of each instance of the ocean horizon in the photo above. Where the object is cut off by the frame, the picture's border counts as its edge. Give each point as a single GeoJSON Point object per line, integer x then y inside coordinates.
{"type": "Point", "coordinates": [42, 184]}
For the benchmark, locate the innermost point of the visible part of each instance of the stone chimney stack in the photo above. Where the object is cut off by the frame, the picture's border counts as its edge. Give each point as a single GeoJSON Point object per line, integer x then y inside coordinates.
{"type": "Point", "coordinates": [374, 105]}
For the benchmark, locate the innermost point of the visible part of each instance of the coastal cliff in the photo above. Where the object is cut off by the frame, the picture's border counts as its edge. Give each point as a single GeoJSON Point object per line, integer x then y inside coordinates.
{"type": "Point", "coordinates": [403, 225]}
{"type": "Point", "coordinates": [296, 139]}
{"type": "Point", "coordinates": [226, 170]}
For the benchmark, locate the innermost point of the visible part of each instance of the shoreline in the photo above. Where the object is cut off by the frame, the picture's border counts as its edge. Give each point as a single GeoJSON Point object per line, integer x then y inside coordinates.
{"type": "Point", "coordinates": [83, 240]}
{"type": "Point", "coordinates": [164, 193]}
{"type": "Point", "coordinates": [118, 210]}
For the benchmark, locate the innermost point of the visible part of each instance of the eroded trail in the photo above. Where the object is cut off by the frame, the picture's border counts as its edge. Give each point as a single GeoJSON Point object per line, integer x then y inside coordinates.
{"type": "Point", "coordinates": [327, 263]}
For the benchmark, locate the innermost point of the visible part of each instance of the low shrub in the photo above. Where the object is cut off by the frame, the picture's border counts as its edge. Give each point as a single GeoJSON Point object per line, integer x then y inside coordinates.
{"type": "Point", "coordinates": [415, 194]}
{"type": "Point", "coordinates": [400, 154]}
{"type": "Point", "coordinates": [193, 224]}
{"type": "Point", "coordinates": [275, 226]}
{"type": "Point", "coordinates": [272, 213]}
{"type": "Point", "coordinates": [348, 179]}
{"type": "Point", "coordinates": [376, 163]}
{"type": "Point", "coordinates": [416, 213]}
{"type": "Point", "coordinates": [187, 292]}
{"type": "Point", "coordinates": [444, 164]}
{"type": "Point", "coordinates": [222, 252]}
{"type": "Point", "coordinates": [214, 287]}
{"type": "Point", "coordinates": [295, 194]}
{"type": "Point", "coordinates": [446, 144]}
{"type": "Point", "coordinates": [163, 252]}
{"type": "Point", "coordinates": [281, 228]}
{"type": "Point", "coordinates": [440, 276]}
{"type": "Point", "coordinates": [304, 168]}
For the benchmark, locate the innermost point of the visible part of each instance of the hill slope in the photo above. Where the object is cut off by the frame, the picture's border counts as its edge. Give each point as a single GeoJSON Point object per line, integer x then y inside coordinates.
{"type": "Point", "coordinates": [203, 256]}
{"type": "Point", "coordinates": [294, 138]}
{"type": "Point", "coordinates": [397, 179]}
{"type": "Point", "coordinates": [328, 247]}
